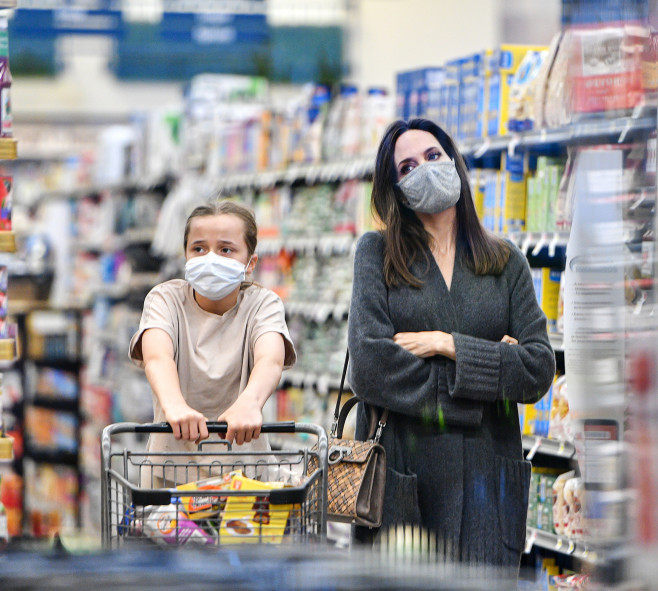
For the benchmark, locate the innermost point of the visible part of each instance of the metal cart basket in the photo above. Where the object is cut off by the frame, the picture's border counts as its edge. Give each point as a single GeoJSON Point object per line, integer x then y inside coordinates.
{"type": "Point", "coordinates": [214, 495]}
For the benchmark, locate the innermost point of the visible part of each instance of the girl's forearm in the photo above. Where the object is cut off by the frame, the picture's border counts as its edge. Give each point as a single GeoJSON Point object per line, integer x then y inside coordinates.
{"type": "Point", "coordinates": [163, 379]}
{"type": "Point", "coordinates": [263, 381]}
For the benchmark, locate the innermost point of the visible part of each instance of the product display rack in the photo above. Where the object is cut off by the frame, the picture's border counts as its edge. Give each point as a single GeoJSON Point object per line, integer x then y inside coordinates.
{"type": "Point", "coordinates": [542, 451]}
{"type": "Point", "coordinates": [127, 186]}
{"type": "Point", "coordinates": [616, 129]}
{"type": "Point", "coordinates": [560, 545]}
{"type": "Point", "coordinates": [545, 452]}
{"type": "Point", "coordinates": [298, 173]}
{"type": "Point", "coordinates": [329, 244]}
{"type": "Point", "coordinates": [532, 445]}
{"type": "Point", "coordinates": [54, 403]}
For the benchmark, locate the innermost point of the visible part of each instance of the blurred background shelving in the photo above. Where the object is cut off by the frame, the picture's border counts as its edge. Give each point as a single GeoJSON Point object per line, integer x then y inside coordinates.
{"type": "Point", "coordinates": [107, 168]}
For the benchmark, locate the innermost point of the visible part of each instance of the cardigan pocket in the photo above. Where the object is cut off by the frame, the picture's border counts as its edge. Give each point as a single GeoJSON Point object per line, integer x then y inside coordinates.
{"type": "Point", "coordinates": [401, 498]}
{"type": "Point", "coordinates": [513, 487]}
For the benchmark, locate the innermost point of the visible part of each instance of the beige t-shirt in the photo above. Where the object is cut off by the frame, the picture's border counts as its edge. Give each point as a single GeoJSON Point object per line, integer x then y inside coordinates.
{"type": "Point", "coordinates": [214, 354]}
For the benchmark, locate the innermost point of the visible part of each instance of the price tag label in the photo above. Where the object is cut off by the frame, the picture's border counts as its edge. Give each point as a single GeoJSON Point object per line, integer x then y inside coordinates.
{"type": "Point", "coordinates": [561, 450]}
{"type": "Point", "coordinates": [533, 449]}
{"type": "Point", "coordinates": [526, 243]}
{"type": "Point", "coordinates": [483, 149]}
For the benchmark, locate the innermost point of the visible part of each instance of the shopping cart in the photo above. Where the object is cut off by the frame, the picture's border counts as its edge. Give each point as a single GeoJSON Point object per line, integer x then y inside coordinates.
{"type": "Point", "coordinates": [214, 495]}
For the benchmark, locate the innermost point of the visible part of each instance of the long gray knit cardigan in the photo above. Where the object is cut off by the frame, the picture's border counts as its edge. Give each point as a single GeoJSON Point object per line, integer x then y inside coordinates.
{"type": "Point", "coordinates": [455, 463]}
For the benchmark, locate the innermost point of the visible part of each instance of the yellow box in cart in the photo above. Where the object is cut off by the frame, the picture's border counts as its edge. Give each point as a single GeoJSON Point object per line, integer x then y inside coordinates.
{"type": "Point", "coordinates": [503, 63]}
{"type": "Point", "coordinates": [202, 507]}
{"type": "Point", "coordinates": [251, 519]}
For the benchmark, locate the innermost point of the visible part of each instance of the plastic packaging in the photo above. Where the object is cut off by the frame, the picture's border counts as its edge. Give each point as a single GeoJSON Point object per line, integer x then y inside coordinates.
{"type": "Point", "coordinates": [560, 504]}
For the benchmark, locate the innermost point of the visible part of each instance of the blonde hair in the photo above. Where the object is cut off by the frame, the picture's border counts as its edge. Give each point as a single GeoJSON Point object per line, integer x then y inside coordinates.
{"type": "Point", "coordinates": [227, 208]}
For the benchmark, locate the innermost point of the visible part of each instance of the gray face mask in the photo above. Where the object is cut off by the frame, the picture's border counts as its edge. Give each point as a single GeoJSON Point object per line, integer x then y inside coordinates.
{"type": "Point", "coordinates": [432, 187]}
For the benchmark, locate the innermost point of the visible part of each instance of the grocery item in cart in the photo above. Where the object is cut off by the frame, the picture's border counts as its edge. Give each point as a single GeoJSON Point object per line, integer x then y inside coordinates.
{"type": "Point", "coordinates": [168, 526]}
{"type": "Point", "coordinates": [252, 518]}
{"type": "Point", "coordinates": [202, 507]}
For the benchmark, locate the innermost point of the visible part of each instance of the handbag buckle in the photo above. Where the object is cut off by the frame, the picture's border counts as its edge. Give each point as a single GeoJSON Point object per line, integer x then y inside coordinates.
{"type": "Point", "coordinates": [380, 428]}
{"type": "Point", "coordinates": [337, 453]}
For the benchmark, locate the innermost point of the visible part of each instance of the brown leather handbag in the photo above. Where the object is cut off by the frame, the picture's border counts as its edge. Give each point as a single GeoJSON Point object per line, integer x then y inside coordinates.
{"type": "Point", "coordinates": [357, 469]}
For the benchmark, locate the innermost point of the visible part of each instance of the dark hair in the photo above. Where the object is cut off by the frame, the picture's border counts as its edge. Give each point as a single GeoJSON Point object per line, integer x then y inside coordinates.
{"type": "Point", "coordinates": [227, 208]}
{"type": "Point", "coordinates": [405, 236]}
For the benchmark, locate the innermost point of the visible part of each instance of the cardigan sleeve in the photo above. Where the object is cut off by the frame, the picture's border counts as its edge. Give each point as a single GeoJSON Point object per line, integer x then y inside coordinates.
{"type": "Point", "coordinates": [381, 372]}
{"type": "Point", "coordinates": [492, 371]}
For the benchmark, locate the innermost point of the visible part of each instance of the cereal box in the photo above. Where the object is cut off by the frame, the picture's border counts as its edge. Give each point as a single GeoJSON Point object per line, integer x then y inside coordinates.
{"type": "Point", "coordinates": [251, 519]}
{"type": "Point", "coordinates": [201, 507]}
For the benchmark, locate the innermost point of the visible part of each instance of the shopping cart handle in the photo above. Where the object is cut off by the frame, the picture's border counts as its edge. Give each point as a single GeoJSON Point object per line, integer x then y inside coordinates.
{"type": "Point", "coordinates": [216, 427]}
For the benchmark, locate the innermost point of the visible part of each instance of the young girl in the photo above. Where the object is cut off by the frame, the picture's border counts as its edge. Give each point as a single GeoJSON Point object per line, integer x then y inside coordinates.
{"type": "Point", "coordinates": [212, 345]}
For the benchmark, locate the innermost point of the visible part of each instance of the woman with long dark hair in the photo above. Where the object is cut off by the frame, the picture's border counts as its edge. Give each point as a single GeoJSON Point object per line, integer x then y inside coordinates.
{"type": "Point", "coordinates": [446, 333]}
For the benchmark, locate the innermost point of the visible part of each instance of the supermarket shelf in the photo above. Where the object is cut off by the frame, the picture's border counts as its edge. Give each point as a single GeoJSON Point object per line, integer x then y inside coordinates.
{"type": "Point", "coordinates": [543, 249]}
{"type": "Point", "coordinates": [323, 383]}
{"type": "Point", "coordinates": [317, 311]}
{"type": "Point", "coordinates": [94, 246]}
{"type": "Point", "coordinates": [128, 185]}
{"type": "Point", "coordinates": [138, 281]}
{"type": "Point", "coordinates": [137, 235]}
{"type": "Point", "coordinates": [616, 129]}
{"type": "Point", "coordinates": [560, 449]}
{"type": "Point", "coordinates": [560, 544]}
{"type": "Point", "coordinates": [51, 456]}
{"type": "Point", "coordinates": [66, 363]}
{"type": "Point", "coordinates": [8, 146]}
{"type": "Point", "coordinates": [143, 279]}
{"type": "Point", "coordinates": [27, 306]}
{"type": "Point", "coordinates": [55, 403]}
{"type": "Point", "coordinates": [327, 245]}
{"type": "Point", "coordinates": [325, 172]}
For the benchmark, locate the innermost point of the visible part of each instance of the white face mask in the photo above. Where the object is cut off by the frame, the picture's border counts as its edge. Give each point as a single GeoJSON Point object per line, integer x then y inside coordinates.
{"type": "Point", "coordinates": [432, 187]}
{"type": "Point", "coordinates": [214, 276]}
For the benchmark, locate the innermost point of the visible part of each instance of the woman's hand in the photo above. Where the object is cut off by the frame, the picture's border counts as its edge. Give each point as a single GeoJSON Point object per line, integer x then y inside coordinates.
{"type": "Point", "coordinates": [509, 340]}
{"type": "Point", "coordinates": [427, 343]}
{"type": "Point", "coordinates": [244, 418]}
{"type": "Point", "coordinates": [186, 423]}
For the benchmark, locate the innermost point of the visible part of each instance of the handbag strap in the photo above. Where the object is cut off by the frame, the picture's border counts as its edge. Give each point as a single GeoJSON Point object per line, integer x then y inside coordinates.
{"type": "Point", "coordinates": [334, 424]}
{"type": "Point", "coordinates": [340, 415]}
